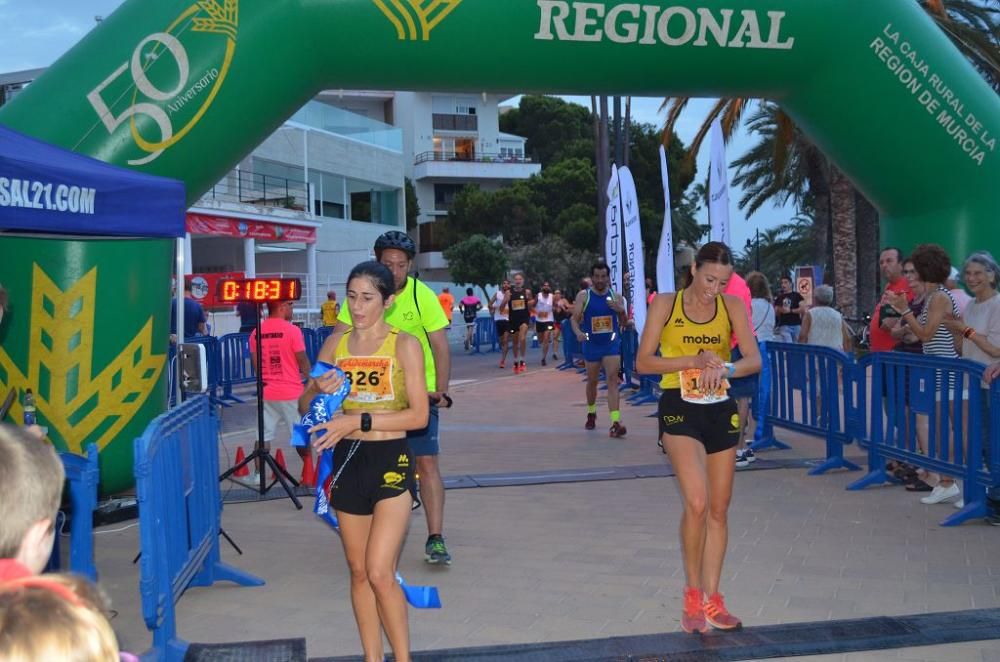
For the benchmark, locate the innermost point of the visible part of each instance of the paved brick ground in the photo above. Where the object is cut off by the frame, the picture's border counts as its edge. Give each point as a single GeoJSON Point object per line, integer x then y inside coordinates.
{"type": "Point", "coordinates": [585, 560]}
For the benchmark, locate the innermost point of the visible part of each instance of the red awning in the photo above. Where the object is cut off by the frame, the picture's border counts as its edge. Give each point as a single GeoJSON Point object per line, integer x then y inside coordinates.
{"type": "Point", "coordinates": [222, 226]}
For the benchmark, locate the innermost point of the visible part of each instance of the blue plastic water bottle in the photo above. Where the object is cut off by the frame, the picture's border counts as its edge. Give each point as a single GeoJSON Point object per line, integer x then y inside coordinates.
{"type": "Point", "coordinates": [29, 407]}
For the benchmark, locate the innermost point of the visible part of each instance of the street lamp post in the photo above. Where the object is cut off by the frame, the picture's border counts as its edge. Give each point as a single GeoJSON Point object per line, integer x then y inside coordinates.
{"type": "Point", "coordinates": [756, 248]}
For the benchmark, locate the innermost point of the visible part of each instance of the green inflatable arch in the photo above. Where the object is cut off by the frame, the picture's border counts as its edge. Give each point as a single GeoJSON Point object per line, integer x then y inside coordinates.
{"type": "Point", "coordinates": [185, 89]}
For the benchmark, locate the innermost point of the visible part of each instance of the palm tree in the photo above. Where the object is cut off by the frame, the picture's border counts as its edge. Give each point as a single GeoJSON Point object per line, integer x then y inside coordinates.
{"type": "Point", "coordinates": [767, 170]}
{"type": "Point", "coordinates": [974, 27]}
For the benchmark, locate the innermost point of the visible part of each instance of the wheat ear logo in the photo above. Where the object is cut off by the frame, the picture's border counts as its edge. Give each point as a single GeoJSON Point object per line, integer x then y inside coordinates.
{"type": "Point", "coordinates": [79, 406]}
{"type": "Point", "coordinates": [414, 19]}
{"type": "Point", "coordinates": [221, 19]}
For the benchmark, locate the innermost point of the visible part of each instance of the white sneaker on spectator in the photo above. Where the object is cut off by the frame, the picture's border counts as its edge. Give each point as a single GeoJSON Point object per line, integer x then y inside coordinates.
{"type": "Point", "coordinates": [940, 494]}
{"type": "Point", "coordinates": [741, 460]}
{"type": "Point", "coordinates": [749, 454]}
{"type": "Point", "coordinates": [959, 504]}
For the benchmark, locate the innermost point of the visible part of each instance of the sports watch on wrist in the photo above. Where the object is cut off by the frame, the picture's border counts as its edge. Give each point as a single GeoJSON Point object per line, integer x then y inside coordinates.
{"type": "Point", "coordinates": [366, 422]}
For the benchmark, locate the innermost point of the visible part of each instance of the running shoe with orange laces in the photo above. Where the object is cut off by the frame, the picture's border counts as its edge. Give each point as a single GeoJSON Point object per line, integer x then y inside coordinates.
{"type": "Point", "coordinates": [718, 616]}
{"type": "Point", "coordinates": [693, 618]}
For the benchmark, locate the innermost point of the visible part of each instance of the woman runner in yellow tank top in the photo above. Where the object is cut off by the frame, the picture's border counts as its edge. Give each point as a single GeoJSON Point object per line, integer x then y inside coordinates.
{"type": "Point", "coordinates": [693, 329]}
{"type": "Point", "coordinates": [375, 492]}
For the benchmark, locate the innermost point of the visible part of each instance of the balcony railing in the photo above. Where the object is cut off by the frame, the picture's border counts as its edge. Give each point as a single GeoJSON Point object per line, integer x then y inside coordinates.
{"type": "Point", "coordinates": [251, 188]}
{"type": "Point", "coordinates": [424, 157]}
{"type": "Point", "coordinates": [350, 125]}
{"type": "Point", "coordinates": [442, 122]}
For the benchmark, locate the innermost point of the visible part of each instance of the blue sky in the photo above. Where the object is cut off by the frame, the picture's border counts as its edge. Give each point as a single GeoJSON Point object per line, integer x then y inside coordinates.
{"type": "Point", "coordinates": [34, 33]}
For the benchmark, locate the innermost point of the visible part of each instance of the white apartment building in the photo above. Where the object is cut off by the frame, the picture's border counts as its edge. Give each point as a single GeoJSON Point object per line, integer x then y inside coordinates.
{"type": "Point", "coordinates": [449, 142]}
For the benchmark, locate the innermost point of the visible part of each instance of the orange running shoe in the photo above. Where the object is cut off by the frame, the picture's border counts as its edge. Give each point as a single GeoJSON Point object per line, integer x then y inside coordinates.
{"type": "Point", "coordinates": [693, 618]}
{"type": "Point", "coordinates": [718, 616]}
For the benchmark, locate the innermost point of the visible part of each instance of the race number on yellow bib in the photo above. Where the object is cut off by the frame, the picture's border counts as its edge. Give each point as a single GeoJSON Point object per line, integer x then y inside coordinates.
{"type": "Point", "coordinates": [601, 324]}
{"type": "Point", "coordinates": [517, 304]}
{"type": "Point", "coordinates": [370, 378]}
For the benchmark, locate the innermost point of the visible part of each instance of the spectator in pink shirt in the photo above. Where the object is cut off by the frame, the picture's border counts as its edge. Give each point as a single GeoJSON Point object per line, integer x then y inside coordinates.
{"type": "Point", "coordinates": [742, 389]}
{"type": "Point", "coordinates": [285, 367]}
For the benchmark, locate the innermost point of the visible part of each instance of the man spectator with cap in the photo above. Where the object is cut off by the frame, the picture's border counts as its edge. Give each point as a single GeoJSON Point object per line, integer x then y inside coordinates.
{"type": "Point", "coordinates": [885, 318]}
{"type": "Point", "coordinates": [194, 315]}
{"type": "Point", "coordinates": [330, 309]}
{"type": "Point", "coordinates": [417, 311]}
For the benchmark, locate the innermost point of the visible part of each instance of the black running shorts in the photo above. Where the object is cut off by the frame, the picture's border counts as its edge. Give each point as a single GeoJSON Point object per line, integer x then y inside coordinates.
{"type": "Point", "coordinates": [377, 470]}
{"type": "Point", "coordinates": [517, 320]}
{"type": "Point", "coordinates": [716, 426]}
{"type": "Point", "coordinates": [503, 326]}
{"type": "Point", "coordinates": [542, 327]}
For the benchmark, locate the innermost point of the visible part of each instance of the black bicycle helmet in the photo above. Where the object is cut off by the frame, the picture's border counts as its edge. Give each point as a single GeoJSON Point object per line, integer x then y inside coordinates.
{"type": "Point", "coordinates": [395, 239]}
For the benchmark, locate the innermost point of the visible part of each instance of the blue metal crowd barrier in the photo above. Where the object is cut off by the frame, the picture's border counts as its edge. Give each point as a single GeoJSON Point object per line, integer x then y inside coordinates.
{"type": "Point", "coordinates": [180, 512]}
{"type": "Point", "coordinates": [82, 474]}
{"type": "Point", "coordinates": [312, 344]}
{"type": "Point", "coordinates": [805, 396]}
{"type": "Point", "coordinates": [897, 396]}
{"type": "Point", "coordinates": [572, 349]}
{"type": "Point", "coordinates": [322, 333]}
{"type": "Point", "coordinates": [212, 358]}
{"type": "Point", "coordinates": [630, 345]}
{"type": "Point", "coordinates": [234, 362]}
{"type": "Point", "coordinates": [484, 334]}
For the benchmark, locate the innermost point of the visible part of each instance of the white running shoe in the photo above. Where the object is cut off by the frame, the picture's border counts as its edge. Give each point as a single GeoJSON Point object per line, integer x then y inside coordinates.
{"type": "Point", "coordinates": [959, 504]}
{"type": "Point", "coordinates": [940, 494]}
{"type": "Point", "coordinates": [741, 460]}
{"type": "Point", "coordinates": [749, 455]}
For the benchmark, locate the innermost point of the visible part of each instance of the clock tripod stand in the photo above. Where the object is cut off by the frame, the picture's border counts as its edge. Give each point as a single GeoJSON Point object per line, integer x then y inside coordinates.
{"type": "Point", "coordinates": [261, 455]}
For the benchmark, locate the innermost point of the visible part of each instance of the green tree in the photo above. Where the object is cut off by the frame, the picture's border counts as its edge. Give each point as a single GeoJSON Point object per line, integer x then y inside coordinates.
{"type": "Point", "coordinates": [578, 226]}
{"type": "Point", "coordinates": [412, 206]}
{"type": "Point", "coordinates": [510, 213]}
{"type": "Point", "coordinates": [477, 260]}
{"type": "Point", "coordinates": [550, 124]}
{"type": "Point", "coordinates": [564, 184]}
{"type": "Point", "coordinates": [552, 259]}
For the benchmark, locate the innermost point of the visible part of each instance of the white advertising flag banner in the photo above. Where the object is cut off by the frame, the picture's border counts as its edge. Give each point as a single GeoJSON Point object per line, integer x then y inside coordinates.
{"type": "Point", "coordinates": [613, 238]}
{"type": "Point", "coordinates": [665, 254]}
{"type": "Point", "coordinates": [635, 261]}
{"type": "Point", "coordinates": [718, 185]}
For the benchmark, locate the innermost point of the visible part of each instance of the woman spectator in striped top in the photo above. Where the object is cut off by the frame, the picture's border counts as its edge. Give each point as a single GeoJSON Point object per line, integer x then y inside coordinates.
{"type": "Point", "coordinates": [933, 266]}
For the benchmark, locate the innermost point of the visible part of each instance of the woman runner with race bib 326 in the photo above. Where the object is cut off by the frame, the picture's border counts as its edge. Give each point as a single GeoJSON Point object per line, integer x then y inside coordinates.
{"type": "Point", "coordinates": [699, 426]}
{"type": "Point", "coordinates": [376, 487]}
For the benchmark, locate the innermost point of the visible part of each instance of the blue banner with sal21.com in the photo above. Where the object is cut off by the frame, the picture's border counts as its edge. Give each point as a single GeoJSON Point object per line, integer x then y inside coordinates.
{"type": "Point", "coordinates": [44, 188]}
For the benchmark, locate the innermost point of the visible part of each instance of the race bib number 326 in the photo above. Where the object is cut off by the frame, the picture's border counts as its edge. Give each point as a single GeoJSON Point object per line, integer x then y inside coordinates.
{"type": "Point", "coordinates": [370, 378]}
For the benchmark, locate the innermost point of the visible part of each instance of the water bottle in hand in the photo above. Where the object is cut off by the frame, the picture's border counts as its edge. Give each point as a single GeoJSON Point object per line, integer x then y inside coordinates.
{"type": "Point", "coordinates": [28, 405]}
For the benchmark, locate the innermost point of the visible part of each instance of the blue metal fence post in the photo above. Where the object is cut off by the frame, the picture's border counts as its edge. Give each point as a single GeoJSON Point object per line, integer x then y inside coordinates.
{"type": "Point", "coordinates": [764, 437]}
{"type": "Point", "coordinates": [832, 411]}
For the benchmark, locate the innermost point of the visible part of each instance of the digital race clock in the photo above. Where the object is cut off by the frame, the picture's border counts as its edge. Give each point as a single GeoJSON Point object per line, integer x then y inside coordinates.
{"type": "Point", "coordinates": [259, 290]}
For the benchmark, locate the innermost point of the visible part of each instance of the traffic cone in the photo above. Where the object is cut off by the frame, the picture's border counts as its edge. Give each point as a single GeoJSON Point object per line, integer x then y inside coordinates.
{"type": "Point", "coordinates": [308, 472]}
{"type": "Point", "coordinates": [279, 457]}
{"type": "Point", "coordinates": [243, 471]}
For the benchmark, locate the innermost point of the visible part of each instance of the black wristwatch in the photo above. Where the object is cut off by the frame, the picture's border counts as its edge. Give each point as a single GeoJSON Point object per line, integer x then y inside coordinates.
{"type": "Point", "coordinates": [366, 422]}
